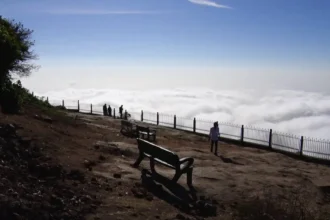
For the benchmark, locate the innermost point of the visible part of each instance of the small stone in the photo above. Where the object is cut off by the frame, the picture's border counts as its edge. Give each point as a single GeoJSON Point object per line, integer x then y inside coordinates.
{"type": "Point", "coordinates": [215, 202]}
{"type": "Point", "coordinates": [117, 175]}
{"type": "Point", "coordinates": [180, 216]}
{"type": "Point", "coordinates": [109, 189]}
{"type": "Point", "coordinates": [149, 197]}
{"type": "Point", "coordinates": [88, 163]}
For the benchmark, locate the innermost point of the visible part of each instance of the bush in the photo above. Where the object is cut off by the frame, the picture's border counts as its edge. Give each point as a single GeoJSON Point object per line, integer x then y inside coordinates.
{"type": "Point", "coordinates": [12, 97]}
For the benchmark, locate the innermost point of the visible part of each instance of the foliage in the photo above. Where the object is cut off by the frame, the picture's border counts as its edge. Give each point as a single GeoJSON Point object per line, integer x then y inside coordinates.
{"type": "Point", "coordinates": [15, 54]}
{"type": "Point", "coordinates": [15, 50]}
{"type": "Point", "coordinates": [13, 97]}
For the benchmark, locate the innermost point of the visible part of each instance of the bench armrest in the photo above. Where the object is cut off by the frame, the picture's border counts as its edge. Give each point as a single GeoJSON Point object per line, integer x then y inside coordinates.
{"type": "Point", "coordinates": [185, 163]}
{"type": "Point", "coordinates": [185, 159]}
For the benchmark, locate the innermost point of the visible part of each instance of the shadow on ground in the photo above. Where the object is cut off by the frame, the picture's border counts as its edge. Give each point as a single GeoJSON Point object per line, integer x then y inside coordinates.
{"type": "Point", "coordinates": [228, 160]}
{"type": "Point", "coordinates": [185, 200]}
{"type": "Point", "coordinates": [167, 190]}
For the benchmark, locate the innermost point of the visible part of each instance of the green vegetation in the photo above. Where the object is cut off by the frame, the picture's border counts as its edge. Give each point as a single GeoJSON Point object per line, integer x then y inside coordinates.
{"type": "Point", "coordinates": [16, 55]}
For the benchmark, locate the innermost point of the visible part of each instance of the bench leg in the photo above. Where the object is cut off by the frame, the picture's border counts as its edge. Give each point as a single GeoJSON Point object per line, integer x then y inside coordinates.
{"type": "Point", "coordinates": [139, 160]}
{"type": "Point", "coordinates": [189, 177]}
{"type": "Point", "coordinates": [176, 176]}
{"type": "Point", "coordinates": [152, 165]}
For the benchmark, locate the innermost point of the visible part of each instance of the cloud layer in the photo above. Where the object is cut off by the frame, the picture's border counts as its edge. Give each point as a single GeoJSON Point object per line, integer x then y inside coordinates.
{"type": "Point", "coordinates": [208, 3]}
{"type": "Point", "coordinates": [294, 112]}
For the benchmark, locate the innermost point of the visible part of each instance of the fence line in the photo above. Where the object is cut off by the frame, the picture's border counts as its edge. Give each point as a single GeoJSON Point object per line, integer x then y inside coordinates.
{"type": "Point", "coordinates": [303, 146]}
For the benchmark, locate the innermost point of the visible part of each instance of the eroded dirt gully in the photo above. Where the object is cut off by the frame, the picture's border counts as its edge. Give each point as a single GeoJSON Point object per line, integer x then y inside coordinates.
{"type": "Point", "coordinates": [79, 167]}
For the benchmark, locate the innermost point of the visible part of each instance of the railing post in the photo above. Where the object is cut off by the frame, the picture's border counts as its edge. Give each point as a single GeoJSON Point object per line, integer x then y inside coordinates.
{"type": "Point", "coordinates": [270, 138]}
{"type": "Point", "coordinates": [114, 113]}
{"type": "Point", "coordinates": [141, 115]}
{"type": "Point", "coordinates": [78, 106]}
{"type": "Point", "coordinates": [91, 109]}
{"type": "Point", "coordinates": [194, 125]}
{"type": "Point", "coordinates": [157, 118]}
{"type": "Point", "coordinates": [62, 103]}
{"type": "Point", "coordinates": [301, 145]}
{"type": "Point", "coordinates": [242, 134]}
{"type": "Point", "coordinates": [174, 121]}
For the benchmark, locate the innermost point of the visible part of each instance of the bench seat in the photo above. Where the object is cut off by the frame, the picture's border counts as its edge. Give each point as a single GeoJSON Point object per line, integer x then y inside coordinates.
{"type": "Point", "coordinates": [128, 128]}
{"type": "Point", "coordinates": [146, 133]}
{"type": "Point", "coordinates": [165, 157]}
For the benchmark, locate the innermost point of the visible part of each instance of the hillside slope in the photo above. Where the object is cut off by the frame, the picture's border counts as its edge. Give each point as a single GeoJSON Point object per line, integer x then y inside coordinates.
{"type": "Point", "coordinates": [61, 165]}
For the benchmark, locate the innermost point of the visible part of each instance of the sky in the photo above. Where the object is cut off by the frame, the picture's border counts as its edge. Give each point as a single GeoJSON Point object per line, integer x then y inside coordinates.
{"type": "Point", "coordinates": [139, 44]}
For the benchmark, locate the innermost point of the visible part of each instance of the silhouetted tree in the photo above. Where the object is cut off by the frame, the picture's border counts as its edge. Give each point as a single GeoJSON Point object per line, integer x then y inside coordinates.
{"type": "Point", "coordinates": [15, 50]}
{"type": "Point", "coordinates": [15, 56]}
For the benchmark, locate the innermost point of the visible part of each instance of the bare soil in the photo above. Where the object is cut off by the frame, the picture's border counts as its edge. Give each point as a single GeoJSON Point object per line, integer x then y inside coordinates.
{"type": "Point", "coordinates": [93, 147]}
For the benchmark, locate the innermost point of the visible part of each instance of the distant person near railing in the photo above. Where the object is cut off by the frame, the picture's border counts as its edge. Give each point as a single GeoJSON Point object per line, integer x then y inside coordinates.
{"type": "Point", "coordinates": [110, 111]}
{"type": "Point", "coordinates": [214, 137]}
{"type": "Point", "coordinates": [105, 111]}
{"type": "Point", "coordinates": [121, 111]}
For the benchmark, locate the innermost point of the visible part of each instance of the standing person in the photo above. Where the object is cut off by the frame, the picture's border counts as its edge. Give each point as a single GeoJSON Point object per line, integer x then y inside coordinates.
{"type": "Point", "coordinates": [214, 137]}
{"type": "Point", "coordinates": [121, 111]}
{"type": "Point", "coordinates": [104, 109]}
{"type": "Point", "coordinates": [109, 111]}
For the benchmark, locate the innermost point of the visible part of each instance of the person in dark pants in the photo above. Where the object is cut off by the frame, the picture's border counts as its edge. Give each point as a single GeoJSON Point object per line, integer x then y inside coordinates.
{"type": "Point", "coordinates": [104, 109]}
{"type": "Point", "coordinates": [109, 111]}
{"type": "Point", "coordinates": [214, 137]}
{"type": "Point", "coordinates": [121, 111]}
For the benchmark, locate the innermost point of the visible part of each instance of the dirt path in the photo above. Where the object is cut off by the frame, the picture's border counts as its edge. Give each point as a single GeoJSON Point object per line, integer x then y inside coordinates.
{"type": "Point", "coordinates": [94, 145]}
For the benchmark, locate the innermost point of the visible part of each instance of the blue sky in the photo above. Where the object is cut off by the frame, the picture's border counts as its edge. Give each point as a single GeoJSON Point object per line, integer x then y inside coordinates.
{"type": "Point", "coordinates": [264, 39]}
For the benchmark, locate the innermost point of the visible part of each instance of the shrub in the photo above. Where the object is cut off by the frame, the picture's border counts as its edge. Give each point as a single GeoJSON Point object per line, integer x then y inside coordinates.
{"type": "Point", "coordinates": [12, 97]}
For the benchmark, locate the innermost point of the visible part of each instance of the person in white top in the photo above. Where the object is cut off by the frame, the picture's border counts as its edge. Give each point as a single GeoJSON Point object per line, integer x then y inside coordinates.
{"type": "Point", "coordinates": [214, 137]}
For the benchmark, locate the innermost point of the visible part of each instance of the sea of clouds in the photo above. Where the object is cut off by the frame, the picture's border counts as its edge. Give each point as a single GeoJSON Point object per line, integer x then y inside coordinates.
{"type": "Point", "coordinates": [294, 112]}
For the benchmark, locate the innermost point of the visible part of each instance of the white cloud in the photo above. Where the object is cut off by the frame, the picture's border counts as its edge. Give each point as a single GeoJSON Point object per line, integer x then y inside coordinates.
{"type": "Point", "coordinates": [209, 3]}
{"type": "Point", "coordinates": [99, 12]}
{"type": "Point", "coordinates": [294, 112]}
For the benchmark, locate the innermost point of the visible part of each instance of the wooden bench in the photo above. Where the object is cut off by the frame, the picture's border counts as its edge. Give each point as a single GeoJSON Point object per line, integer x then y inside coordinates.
{"type": "Point", "coordinates": [128, 128]}
{"type": "Point", "coordinates": [166, 158]}
{"type": "Point", "coordinates": [146, 132]}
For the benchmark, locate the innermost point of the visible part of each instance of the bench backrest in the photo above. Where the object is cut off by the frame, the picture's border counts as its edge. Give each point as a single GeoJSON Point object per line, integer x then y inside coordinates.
{"type": "Point", "coordinates": [143, 129]}
{"type": "Point", "coordinates": [158, 152]}
{"type": "Point", "coordinates": [126, 123]}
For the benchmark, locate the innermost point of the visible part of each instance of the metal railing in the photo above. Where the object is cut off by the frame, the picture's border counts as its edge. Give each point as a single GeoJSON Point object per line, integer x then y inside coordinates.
{"type": "Point", "coordinates": [303, 146]}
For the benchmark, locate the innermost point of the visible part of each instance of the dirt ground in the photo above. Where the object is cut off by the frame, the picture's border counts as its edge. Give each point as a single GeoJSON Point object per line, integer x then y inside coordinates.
{"type": "Point", "coordinates": [95, 146]}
